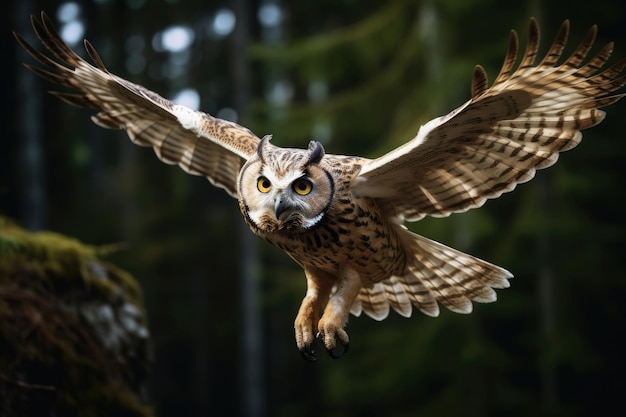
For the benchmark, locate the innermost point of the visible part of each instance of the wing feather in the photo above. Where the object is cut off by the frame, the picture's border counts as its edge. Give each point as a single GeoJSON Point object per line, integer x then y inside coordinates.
{"type": "Point", "coordinates": [502, 135]}
{"type": "Point", "coordinates": [198, 142]}
{"type": "Point", "coordinates": [509, 61]}
{"type": "Point", "coordinates": [373, 302]}
{"type": "Point", "coordinates": [435, 274]}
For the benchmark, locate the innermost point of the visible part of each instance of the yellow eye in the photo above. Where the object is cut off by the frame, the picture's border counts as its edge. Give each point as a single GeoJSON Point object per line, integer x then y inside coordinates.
{"type": "Point", "coordinates": [302, 186]}
{"type": "Point", "coordinates": [264, 185]}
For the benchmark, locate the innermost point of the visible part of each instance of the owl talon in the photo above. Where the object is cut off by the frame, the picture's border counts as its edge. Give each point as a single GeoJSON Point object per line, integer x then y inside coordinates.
{"type": "Point", "coordinates": [336, 355]}
{"type": "Point", "coordinates": [340, 349]}
{"type": "Point", "coordinates": [336, 343]}
{"type": "Point", "coordinates": [308, 353]}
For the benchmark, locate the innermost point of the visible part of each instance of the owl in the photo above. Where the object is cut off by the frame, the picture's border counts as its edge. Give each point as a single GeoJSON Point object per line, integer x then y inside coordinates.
{"type": "Point", "coordinates": [342, 218]}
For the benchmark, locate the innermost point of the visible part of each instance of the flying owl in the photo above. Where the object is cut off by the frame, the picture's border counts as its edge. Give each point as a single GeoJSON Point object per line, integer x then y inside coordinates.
{"type": "Point", "coordinates": [341, 218]}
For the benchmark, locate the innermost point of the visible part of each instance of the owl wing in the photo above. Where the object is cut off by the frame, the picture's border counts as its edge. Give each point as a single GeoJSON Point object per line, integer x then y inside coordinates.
{"type": "Point", "coordinates": [501, 136]}
{"type": "Point", "coordinates": [198, 142]}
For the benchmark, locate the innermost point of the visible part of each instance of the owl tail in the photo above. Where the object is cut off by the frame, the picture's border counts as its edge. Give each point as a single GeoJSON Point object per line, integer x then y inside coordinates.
{"type": "Point", "coordinates": [434, 273]}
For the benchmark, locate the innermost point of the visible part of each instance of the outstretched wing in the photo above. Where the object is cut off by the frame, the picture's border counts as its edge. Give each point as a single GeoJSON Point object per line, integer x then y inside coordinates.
{"type": "Point", "coordinates": [198, 142]}
{"type": "Point", "coordinates": [501, 136]}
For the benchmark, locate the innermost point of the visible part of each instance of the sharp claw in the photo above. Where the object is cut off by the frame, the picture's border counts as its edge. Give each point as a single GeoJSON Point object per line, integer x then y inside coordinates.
{"type": "Point", "coordinates": [337, 352]}
{"type": "Point", "coordinates": [336, 355]}
{"type": "Point", "coordinates": [308, 352]}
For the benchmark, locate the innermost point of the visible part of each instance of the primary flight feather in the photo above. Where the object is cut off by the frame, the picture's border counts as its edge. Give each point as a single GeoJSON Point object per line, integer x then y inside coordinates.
{"type": "Point", "coordinates": [341, 217]}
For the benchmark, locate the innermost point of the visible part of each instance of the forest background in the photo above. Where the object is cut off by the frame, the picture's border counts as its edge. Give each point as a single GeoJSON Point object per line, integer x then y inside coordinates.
{"type": "Point", "coordinates": [361, 77]}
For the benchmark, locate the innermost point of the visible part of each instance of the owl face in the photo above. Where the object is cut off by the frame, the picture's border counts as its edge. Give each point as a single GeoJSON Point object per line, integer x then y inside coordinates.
{"type": "Point", "coordinates": [285, 189]}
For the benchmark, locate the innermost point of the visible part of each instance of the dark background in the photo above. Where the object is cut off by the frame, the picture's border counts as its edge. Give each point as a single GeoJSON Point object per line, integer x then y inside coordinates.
{"type": "Point", "coordinates": [361, 77]}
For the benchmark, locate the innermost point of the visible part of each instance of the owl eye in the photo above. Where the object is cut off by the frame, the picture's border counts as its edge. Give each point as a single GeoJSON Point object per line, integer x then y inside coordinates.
{"type": "Point", "coordinates": [302, 186]}
{"type": "Point", "coordinates": [263, 185]}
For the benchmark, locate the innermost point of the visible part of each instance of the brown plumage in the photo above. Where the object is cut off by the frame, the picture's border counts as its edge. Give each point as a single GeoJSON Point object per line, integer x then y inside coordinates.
{"type": "Point", "coordinates": [341, 217]}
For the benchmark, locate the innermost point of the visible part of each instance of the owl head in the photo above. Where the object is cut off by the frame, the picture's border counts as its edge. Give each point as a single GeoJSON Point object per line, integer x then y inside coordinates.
{"type": "Point", "coordinates": [285, 189]}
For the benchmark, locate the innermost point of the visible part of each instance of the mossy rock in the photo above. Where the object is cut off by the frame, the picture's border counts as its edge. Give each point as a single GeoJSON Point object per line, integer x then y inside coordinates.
{"type": "Point", "coordinates": [73, 332]}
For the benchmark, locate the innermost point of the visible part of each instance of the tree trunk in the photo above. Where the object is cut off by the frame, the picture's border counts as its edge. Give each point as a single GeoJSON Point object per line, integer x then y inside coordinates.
{"type": "Point", "coordinates": [252, 387]}
{"type": "Point", "coordinates": [29, 103]}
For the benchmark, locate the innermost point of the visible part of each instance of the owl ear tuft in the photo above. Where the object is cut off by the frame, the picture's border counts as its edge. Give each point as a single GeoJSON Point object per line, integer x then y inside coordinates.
{"type": "Point", "coordinates": [263, 147]}
{"type": "Point", "coordinates": [316, 153]}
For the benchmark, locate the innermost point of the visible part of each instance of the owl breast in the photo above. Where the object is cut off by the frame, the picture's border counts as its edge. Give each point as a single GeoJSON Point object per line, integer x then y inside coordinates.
{"type": "Point", "coordinates": [327, 227]}
{"type": "Point", "coordinates": [354, 232]}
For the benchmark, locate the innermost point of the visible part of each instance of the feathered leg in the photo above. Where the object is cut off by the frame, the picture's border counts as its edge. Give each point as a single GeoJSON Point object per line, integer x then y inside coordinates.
{"type": "Point", "coordinates": [335, 317]}
{"type": "Point", "coordinates": [319, 287]}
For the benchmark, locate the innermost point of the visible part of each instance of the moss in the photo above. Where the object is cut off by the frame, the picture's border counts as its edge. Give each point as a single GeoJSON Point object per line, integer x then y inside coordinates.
{"type": "Point", "coordinates": [73, 334]}
{"type": "Point", "coordinates": [66, 261]}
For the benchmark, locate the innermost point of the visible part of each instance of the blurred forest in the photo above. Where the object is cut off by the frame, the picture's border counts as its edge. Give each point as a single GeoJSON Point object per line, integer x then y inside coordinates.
{"type": "Point", "coordinates": [361, 77]}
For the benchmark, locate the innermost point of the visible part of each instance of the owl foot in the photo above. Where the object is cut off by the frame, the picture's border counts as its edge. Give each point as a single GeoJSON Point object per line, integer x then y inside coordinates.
{"type": "Point", "coordinates": [309, 326]}
{"type": "Point", "coordinates": [306, 326]}
{"type": "Point", "coordinates": [308, 353]}
{"type": "Point", "coordinates": [335, 338]}
{"type": "Point", "coordinates": [336, 352]}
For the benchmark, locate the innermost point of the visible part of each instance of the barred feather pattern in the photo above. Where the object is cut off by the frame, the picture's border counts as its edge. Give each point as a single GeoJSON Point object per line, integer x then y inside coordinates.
{"type": "Point", "coordinates": [496, 140]}
{"type": "Point", "coordinates": [502, 135]}
{"type": "Point", "coordinates": [198, 142]}
{"type": "Point", "coordinates": [436, 274]}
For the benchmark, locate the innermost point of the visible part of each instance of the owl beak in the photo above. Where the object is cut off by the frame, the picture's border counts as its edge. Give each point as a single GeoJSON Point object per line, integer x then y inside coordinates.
{"type": "Point", "coordinates": [280, 207]}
